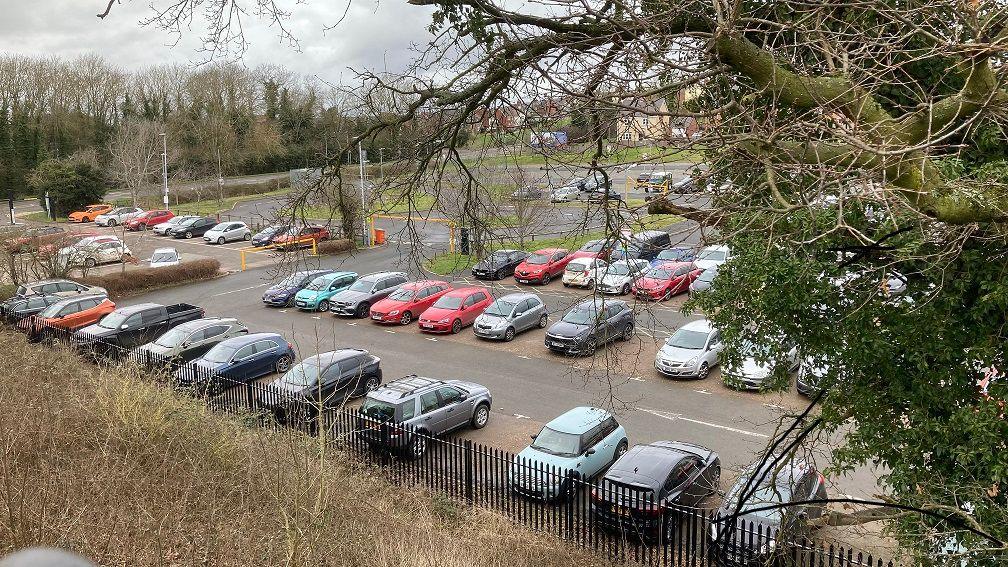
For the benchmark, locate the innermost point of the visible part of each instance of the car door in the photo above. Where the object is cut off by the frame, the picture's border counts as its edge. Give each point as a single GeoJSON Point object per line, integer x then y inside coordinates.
{"type": "Point", "coordinates": [243, 364]}
{"type": "Point", "coordinates": [202, 341]}
{"type": "Point", "coordinates": [593, 451]}
{"type": "Point", "coordinates": [155, 323]}
{"type": "Point", "coordinates": [351, 375]}
{"type": "Point", "coordinates": [527, 316]}
{"type": "Point", "coordinates": [713, 350]}
{"type": "Point", "coordinates": [456, 411]}
{"type": "Point", "coordinates": [266, 354]}
{"type": "Point", "coordinates": [432, 415]}
{"type": "Point", "coordinates": [131, 332]}
{"type": "Point", "coordinates": [556, 264]}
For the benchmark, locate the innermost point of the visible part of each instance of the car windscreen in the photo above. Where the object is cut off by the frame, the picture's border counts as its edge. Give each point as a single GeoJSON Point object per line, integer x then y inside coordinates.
{"type": "Point", "coordinates": [402, 294]}
{"type": "Point", "coordinates": [708, 275]}
{"type": "Point", "coordinates": [21, 290]}
{"type": "Point", "coordinates": [376, 409]}
{"type": "Point", "coordinates": [220, 226]}
{"type": "Point", "coordinates": [618, 269]}
{"type": "Point", "coordinates": [580, 316]}
{"type": "Point", "coordinates": [594, 246]}
{"type": "Point", "coordinates": [687, 338]}
{"type": "Point", "coordinates": [164, 257]}
{"type": "Point", "coordinates": [320, 282]}
{"type": "Point", "coordinates": [768, 494]}
{"type": "Point", "coordinates": [557, 443]}
{"type": "Point", "coordinates": [221, 353]}
{"type": "Point", "coordinates": [657, 178]}
{"type": "Point", "coordinates": [577, 267]}
{"type": "Point", "coordinates": [362, 285]}
{"type": "Point", "coordinates": [51, 311]}
{"type": "Point", "coordinates": [537, 259]}
{"type": "Point", "coordinates": [712, 254]}
{"type": "Point", "coordinates": [499, 308]}
{"type": "Point", "coordinates": [304, 375]}
{"type": "Point", "coordinates": [172, 338]}
{"type": "Point", "coordinates": [35, 302]}
{"type": "Point", "coordinates": [660, 274]}
{"type": "Point", "coordinates": [292, 280]}
{"type": "Point", "coordinates": [449, 302]}
{"type": "Point", "coordinates": [113, 320]}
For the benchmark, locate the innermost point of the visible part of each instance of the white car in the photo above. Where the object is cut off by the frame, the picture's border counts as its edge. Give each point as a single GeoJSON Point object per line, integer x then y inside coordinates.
{"type": "Point", "coordinates": [90, 253]}
{"type": "Point", "coordinates": [691, 351]}
{"type": "Point", "coordinates": [620, 276]}
{"type": "Point", "coordinates": [581, 272]}
{"type": "Point", "coordinates": [227, 232]}
{"type": "Point", "coordinates": [564, 194]}
{"type": "Point", "coordinates": [118, 216]}
{"type": "Point", "coordinates": [712, 256]}
{"type": "Point", "coordinates": [164, 229]}
{"type": "Point", "coordinates": [165, 257]}
{"type": "Point", "coordinates": [757, 366]}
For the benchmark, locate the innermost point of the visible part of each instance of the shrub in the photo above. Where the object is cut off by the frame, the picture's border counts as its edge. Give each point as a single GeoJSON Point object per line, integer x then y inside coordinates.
{"type": "Point", "coordinates": [335, 246]}
{"type": "Point", "coordinates": [130, 282]}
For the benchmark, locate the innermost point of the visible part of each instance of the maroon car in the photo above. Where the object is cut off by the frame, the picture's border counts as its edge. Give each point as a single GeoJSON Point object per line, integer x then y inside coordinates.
{"type": "Point", "coordinates": [665, 280]}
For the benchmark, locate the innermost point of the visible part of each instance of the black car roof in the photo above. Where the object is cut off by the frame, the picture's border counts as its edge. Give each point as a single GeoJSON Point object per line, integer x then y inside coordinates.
{"type": "Point", "coordinates": [327, 358]}
{"type": "Point", "coordinates": [138, 307]}
{"type": "Point", "coordinates": [645, 465]}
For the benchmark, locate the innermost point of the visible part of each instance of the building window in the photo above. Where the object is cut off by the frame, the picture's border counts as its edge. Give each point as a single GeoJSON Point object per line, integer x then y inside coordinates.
{"type": "Point", "coordinates": [627, 136]}
{"type": "Point", "coordinates": [645, 121]}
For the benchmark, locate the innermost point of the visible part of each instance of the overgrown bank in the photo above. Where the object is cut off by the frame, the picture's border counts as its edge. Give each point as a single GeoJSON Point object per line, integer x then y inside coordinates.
{"type": "Point", "coordinates": [101, 462]}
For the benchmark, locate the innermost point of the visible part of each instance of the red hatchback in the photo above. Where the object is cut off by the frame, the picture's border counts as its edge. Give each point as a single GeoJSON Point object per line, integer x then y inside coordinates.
{"type": "Point", "coordinates": [301, 237]}
{"type": "Point", "coordinates": [149, 219]}
{"type": "Point", "coordinates": [456, 309]}
{"type": "Point", "coordinates": [665, 280]}
{"type": "Point", "coordinates": [542, 265]}
{"type": "Point", "coordinates": [409, 301]}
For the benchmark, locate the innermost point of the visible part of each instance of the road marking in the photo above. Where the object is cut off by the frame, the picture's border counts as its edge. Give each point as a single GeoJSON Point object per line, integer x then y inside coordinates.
{"type": "Point", "coordinates": [239, 290]}
{"type": "Point", "coordinates": [774, 406]}
{"type": "Point", "coordinates": [431, 339]}
{"type": "Point", "coordinates": [520, 416]}
{"type": "Point", "coordinates": [703, 392]}
{"type": "Point", "coordinates": [317, 318]}
{"type": "Point", "coordinates": [389, 331]}
{"type": "Point", "coordinates": [523, 356]}
{"type": "Point", "coordinates": [674, 416]}
{"type": "Point", "coordinates": [351, 323]}
{"type": "Point", "coordinates": [636, 379]}
{"type": "Point", "coordinates": [282, 311]}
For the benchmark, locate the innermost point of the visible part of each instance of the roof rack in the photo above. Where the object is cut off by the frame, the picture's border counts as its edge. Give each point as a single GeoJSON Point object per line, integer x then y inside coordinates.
{"type": "Point", "coordinates": [408, 385]}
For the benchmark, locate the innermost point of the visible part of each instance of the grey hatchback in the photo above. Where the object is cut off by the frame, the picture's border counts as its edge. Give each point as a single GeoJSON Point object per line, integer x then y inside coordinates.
{"type": "Point", "coordinates": [356, 300]}
{"type": "Point", "coordinates": [510, 315]}
{"type": "Point", "coordinates": [403, 414]}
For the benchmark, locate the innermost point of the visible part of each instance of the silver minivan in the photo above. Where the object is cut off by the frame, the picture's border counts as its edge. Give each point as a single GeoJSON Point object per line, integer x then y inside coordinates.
{"type": "Point", "coordinates": [510, 315]}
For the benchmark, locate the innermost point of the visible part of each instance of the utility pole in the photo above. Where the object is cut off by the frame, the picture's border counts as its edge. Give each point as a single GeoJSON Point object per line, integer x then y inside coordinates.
{"type": "Point", "coordinates": [381, 163]}
{"type": "Point", "coordinates": [164, 166]}
{"type": "Point", "coordinates": [361, 155]}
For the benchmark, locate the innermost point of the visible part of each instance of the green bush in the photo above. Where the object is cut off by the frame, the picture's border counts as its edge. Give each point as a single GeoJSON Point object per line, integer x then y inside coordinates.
{"type": "Point", "coordinates": [132, 282]}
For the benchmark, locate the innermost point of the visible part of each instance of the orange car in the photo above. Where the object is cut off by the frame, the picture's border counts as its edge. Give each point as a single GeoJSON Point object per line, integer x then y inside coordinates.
{"type": "Point", "coordinates": [89, 213]}
{"type": "Point", "coordinates": [67, 315]}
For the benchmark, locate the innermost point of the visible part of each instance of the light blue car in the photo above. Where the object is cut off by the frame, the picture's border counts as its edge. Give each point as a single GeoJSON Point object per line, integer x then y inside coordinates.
{"type": "Point", "coordinates": [575, 446]}
{"type": "Point", "coordinates": [316, 295]}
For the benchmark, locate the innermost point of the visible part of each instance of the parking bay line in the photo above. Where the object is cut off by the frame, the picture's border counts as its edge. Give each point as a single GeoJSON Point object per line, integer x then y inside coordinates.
{"type": "Point", "coordinates": [238, 290]}
{"type": "Point", "coordinates": [674, 416]}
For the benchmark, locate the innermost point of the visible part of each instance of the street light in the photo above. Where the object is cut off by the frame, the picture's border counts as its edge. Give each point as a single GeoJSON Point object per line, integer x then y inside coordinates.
{"type": "Point", "coordinates": [363, 158]}
{"type": "Point", "coordinates": [381, 163]}
{"type": "Point", "coordinates": [164, 166]}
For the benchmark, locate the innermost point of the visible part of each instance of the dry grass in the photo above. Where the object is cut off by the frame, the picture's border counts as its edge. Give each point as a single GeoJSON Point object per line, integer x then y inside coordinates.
{"type": "Point", "coordinates": [140, 280]}
{"type": "Point", "coordinates": [106, 464]}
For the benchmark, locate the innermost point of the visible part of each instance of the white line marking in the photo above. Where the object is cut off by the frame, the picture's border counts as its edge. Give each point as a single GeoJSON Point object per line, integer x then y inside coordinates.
{"type": "Point", "coordinates": [774, 406]}
{"type": "Point", "coordinates": [317, 318]}
{"type": "Point", "coordinates": [238, 290]}
{"type": "Point", "coordinates": [703, 392]}
{"type": "Point", "coordinates": [520, 416]}
{"type": "Point", "coordinates": [351, 323]}
{"type": "Point", "coordinates": [523, 356]}
{"type": "Point", "coordinates": [431, 339]}
{"type": "Point", "coordinates": [674, 416]}
{"type": "Point", "coordinates": [283, 311]}
{"type": "Point", "coordinates": [389, 331]}
{"type": "Point", "coordinates": [636, 379]}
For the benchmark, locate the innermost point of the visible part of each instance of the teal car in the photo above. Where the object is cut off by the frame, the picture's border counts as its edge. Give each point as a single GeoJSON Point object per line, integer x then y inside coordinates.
{"type": "Point", "coordinates": [316, 295]}
{"type": "Point", "coordinates": [568, 451]}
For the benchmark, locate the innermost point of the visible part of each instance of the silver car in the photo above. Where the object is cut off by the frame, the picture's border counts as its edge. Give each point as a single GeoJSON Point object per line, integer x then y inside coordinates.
{"type": "Point", "coordinates": [758, 366]}
{"type": "Point", "coordinates": [620, 276]}
{"type": "Point", "coordinates": [118, 216]}
{"type": "Point", "coordinates": [189, 341]}
{"type": "Point", "coordinates": [165, 228]}
{"type": "Point", "coordinates": [227, 232]}
{"type": "Point", "coordinates": [510, 315]}
{"type": "Point", "coordinates": [691, 351]}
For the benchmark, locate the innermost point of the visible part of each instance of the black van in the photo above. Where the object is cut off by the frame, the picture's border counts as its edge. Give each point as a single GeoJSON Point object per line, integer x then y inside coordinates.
{"type": "Point", "coordinates": [652, 242]}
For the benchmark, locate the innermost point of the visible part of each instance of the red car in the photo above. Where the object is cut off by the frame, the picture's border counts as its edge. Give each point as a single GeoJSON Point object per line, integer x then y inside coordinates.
{"type": "Point", "coordinates": [149, 219]}
{"type": "Point", "coordinates": [665, 280]}
{"type": "Point", "coordinates": [593, 249]}
{"type": "Point", "coordinates": [408, 302]}
{"type": "Point", "coordinates": [456, 309]}
{"type": "Point", "coordinates": [301, 237]}
{"type": "Point", "coordinates": [542, 265]}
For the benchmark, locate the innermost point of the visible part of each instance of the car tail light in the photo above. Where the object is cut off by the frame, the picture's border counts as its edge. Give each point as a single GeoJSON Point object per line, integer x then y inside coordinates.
{"type": "Point", "coordinates": [290, 346]}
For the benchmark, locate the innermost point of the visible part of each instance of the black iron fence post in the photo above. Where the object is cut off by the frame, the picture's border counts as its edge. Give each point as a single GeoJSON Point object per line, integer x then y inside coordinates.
{"type": "Point", "coordinates": [468, 448]}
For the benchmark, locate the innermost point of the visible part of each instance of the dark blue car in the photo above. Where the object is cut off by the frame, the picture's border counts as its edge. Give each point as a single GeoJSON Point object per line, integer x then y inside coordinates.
{"type": "Point", "coordinates": [282, 294]}
{"type": "Point", "coordinates": [675, 254]}
{"type": "Point", "coordinates": [237, 360]}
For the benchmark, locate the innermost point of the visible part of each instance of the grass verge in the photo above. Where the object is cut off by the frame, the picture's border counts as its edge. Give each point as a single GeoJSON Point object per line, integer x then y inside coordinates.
{"type": "Point", "coordinates": [100, 461]}
{"type": "Point", "coordinates": [620, 156]}
{"type": "Point", "coordinates": [132, 282]}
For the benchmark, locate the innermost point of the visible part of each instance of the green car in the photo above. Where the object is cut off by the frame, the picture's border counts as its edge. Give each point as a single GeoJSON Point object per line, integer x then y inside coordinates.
{"type": "Point", "coordinates": [315, 297]}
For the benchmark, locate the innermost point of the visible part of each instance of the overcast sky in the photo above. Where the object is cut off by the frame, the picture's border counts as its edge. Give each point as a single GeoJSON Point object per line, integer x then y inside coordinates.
{"type": "Point", "coordinates": [374, 35]}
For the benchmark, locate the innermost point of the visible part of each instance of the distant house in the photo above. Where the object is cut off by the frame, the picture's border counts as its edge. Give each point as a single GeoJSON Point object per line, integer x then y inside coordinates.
{"type": "Point", "coordinates": [647, 120]}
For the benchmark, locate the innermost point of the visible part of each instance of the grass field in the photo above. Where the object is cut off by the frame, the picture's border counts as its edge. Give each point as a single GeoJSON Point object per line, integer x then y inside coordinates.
{"type": "Point", "coordinates": [621, 155]}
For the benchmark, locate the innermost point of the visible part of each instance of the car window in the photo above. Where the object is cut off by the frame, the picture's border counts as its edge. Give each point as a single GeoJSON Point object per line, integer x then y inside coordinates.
{"type": "Point", "coordinates": [49, 288]}
{"type": "Point", "coordinates": [409, 410]}
{"type": "Point", "coordinates": [70, 308]}
{"type": "Point", "coordinates": [266, 345]}
{"type": "Point", "coordinates": [214, 331]}
{"type": "Point", "coordinates": [449, 395]}
{"type": "Point", "coordinates": [197, 336]}
{"type": "Point", "coordinates": [428, 402]}
{"type": "Point", "coordinates": [804, 491]}
{"type": "Point", "coordinates": [715, 338]}
{"type": "Point", "coordinates": [134, 320]}
{"type": "Point", "coordinates": [591, 437]}
{"type": "Point", "coordinates": [244, 352]}
{"type": "Point", "coordinates": [608, 426]}
{"type": "Point", "coordinates": [151, 316]}
{"type": "Point", "coordinates": [559, 256]}
{"type": "Point", "coordinates": [614, 310]}
{"type": "Point", "coordinates": [469, 301]}
{"type": "Point", "coordinates": [425, 292]}
{"type": "Point", "coordinates": [68, 286]}
{"type": "Point", "coordinates": [398, 280]}
{"type": "Point", "coordinates": [331, 374]}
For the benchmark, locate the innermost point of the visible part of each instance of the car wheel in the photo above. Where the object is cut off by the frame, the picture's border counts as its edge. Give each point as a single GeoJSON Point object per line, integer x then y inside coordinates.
{"type": "Point", "coordinates": [545, 279]}
{"type": "Point", "coordinates": [667, 296]}
{"type": "Point", "coordinates": [543, 321]}
{"type": "Point", "coordinates": [220, 240]}
{"type": "Point", "coordinates": [247, 237]}
{"type": "Point", "coordinates": [111, 222]}
{"type": "Point", "coordinates": [704, 371]}
{"type": "Point", "coordinates": [371, 384]}
{"type": "Point", "coordinates": [90, 262]}
{"type": "Point", "coordinates": [481, 415]}
{"type": "Point", "coordinates": [283, 363]}
{"type": "Point", "coordinates": [418, 445]}
{"type": "Point", "coordinates": [566, 284]}
{"type": "Point", "coordinates": [591, 284]}
{"type": "Point", "coordinates": [628, 332]}
{"type": "Point", "coordinates": [625, 290]}
{"type": "Point", "coordinates": [621, 450]}
{"type": "Point", "coordinates": [456, 326]}
{"type": "Point", "coordinates": [509, 334]}
{"type": "Point", "coordinates": [323, 305]}
{"type": "Point", "coordinates": [406, 318]}
{"type": "Point", "coordinates": [188, 234]}
{"type": "Point", "coordinates": [362, 311]}
{"type": "Point", "coordinates": [499, 275]}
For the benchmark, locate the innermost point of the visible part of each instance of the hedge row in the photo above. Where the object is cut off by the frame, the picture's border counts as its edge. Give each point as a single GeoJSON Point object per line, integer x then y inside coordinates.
{"type": "Point", "coordinates": [132, 282]}
{"type": "Point", "coordinates": [335, 246]}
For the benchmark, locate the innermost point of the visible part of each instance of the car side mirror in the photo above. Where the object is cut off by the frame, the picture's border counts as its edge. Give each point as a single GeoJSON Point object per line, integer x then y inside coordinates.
{"type": "Point", "coordinates": [462, 398]}
{"type": "Point", "coordinates": [124, 326]}
{"type": "Point", "coordinates": [590, 452]}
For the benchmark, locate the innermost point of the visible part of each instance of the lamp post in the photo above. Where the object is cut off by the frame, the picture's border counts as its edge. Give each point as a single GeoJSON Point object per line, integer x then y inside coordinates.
{"type": "Point", "coordinates": [381, 162]}
{"type": "Point", "coordinates": [363, 158]}
{"type": "Point", "coordinates": [164, 166]}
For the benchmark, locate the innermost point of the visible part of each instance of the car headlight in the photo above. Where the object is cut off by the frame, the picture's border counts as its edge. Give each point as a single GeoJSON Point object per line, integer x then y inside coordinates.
{"type": "Point", "coordinates": [445, 320]}
{"type": "Point", "coordinates": [394, 312]}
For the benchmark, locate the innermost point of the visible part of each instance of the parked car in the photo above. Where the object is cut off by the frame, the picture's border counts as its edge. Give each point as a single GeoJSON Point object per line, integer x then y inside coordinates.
{"type": "Point", "coordinates": [691, 352]}
{"type": "Point", "coordinates": [684, 186]}
{"type": "Point", "coordinates": [89, 213]}
{"type": "Point", "coordinates": [62, 288]}
{"type": "Point", "coordinates": [658, 182]}
{"type": "Point", "coordinates": [164, 257]}
{"type": "Point", "coordinates": [67, 315]}
{"type": "Point", "coordinates": [641, 181]}
{"type": "Point", "coordinates": [356, 300]}
{"type": "Point", "coordinates": [197, 226]}
{"type": "Point", "coordinates": [641, 493]}
{"type": "Point", "coordinates": [227, 232]}
{"type": "Point", "coordinates": [712, 256]}
{"type": "Point", "coordinates": [18, 308]}
{"type": "Point", "coordinates": [266, 236]}
{"type": "Point", "coordinates": [43, 237]}
{"type": "Point", "coordinates": [165, 228]}
{"type": "Point", "coordinates": [499, 264]}
{"type": "Point", "coordinates": [325, 380]}
{"type": "Point", "coordinates": [813, 375]}
{"type": "Point", "coordinates": [666, 280]}
{"type": "Point", "coordinates": [238, 360]}
{"type": "Point", "coordinates": [509, 315]}
{"type": "Point", "coordinates": [759, 367]}
{"type": "Point", "coordinates": [765, 511]}
{"type": "Point", "coordinates": [404, 414]}
{"type": "Point", "coordinates": [117, 216]}
{"type": "Point", "coordinates": [542, 265]}
{"type": "Point", "coordinates": [590, 324]}
{"type": "Point", "coordinates": [675, 254]}
{"type": "Point", "coordinates": [405, 304]}
{"type": "Point", "coordinates": [593, 249]}
{"type": "Point", "coordinates": [129, 327]}
{"type": "Point", "coordinates": [90, 253]}
{"type": "Point", "coordinates": [570, 449]}
{"type": "Point", "coordinates": [704, 281]}
{"type": "Point", "coordinates": [564, 194]}
{"type": "Point", "coordinates": [188, 341]}
{"type": "Point", "coordinates": [454, 310]}
{"type": "Point", "coordinates": [583, 272]}
{"type": "Point", "coordinates": [527, 193]}
{"type": "Point", "coordinates": [625, 250]}
{"type": "Point", "coordinates": [300, 237]}
{"type": "Point", "coordinates": [651, 243]}
{"type": "Point", "coordinates": [283, 292]}
{"type": "Point", "coordinates": [619, 277]}
{"type": "Point", "coordinates": [149, 219]}
{"type": "Point", "coordinates": [316, 295]}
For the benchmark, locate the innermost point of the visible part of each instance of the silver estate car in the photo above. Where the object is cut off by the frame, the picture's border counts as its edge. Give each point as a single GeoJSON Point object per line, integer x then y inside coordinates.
{"type": "Point", "coordinates": [510, 315]}
{"type": "Point", "coordinates": [691, 351]}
